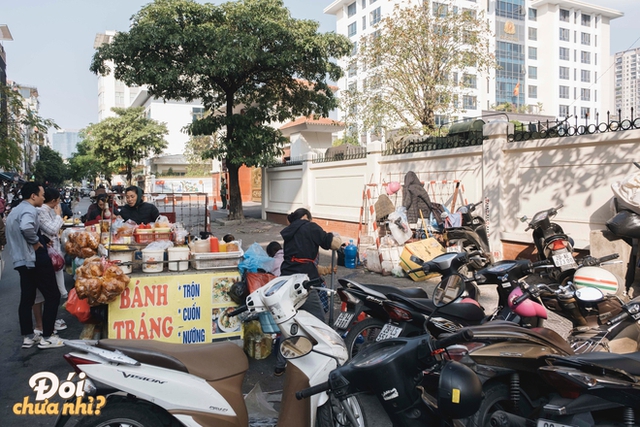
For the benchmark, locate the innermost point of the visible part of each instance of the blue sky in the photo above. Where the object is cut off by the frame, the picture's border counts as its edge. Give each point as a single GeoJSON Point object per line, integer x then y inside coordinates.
{"type": "Point", "coordinates": [53, 45]}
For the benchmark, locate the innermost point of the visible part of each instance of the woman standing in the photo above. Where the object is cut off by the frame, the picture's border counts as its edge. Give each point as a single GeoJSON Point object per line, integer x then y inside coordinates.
{"type": "Point", "coordinates": [49, 217]}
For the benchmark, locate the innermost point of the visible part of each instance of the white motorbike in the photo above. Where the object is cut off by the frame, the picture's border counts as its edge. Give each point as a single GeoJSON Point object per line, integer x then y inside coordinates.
{"type": "Point", "coordinates": [151, 384]}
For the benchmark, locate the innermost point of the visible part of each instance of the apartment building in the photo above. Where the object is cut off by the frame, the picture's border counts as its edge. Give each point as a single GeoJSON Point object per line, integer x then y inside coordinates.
{"type": "Point", "coordinates": [64, 142]}
{"type": "Point", "coordinates": [627, 83]}
{"type": "Point", "coordinates": [552, 55]}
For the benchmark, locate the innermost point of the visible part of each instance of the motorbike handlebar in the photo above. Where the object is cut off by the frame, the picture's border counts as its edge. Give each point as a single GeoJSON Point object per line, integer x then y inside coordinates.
{"type": "Point", "coordinates": [238, 310]}
{"type": "Point", "coordinates": [519, 299]}
{"type": "Point", "coordinates": [608, 258]}
{"type": "Point", "coordinates": [307, 392]}
{"type": "Point", "coordinates": [461, 336]}
{"type": "Point", "coordinates": [308, 284]}
{"type": "Point", "coordinates": [617, 319]}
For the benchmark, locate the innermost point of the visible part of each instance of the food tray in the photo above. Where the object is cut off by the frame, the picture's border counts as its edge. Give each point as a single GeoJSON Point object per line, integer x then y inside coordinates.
{"type": "Point", "coordinates": [216, 260]}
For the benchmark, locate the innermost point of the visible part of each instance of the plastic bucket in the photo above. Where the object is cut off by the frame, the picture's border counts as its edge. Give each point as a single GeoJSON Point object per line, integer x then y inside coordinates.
{"type": "Point", "coordinates": [123, 256]}
{"type": "Point", "coordinates": [151, 255]}
{"type": "Point", "coordinates": [180, 254]}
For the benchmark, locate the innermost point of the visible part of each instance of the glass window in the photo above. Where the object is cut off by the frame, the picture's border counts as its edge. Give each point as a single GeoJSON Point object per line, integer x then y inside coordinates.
{"type": "Point", "coordinates": [585, 57]}
{"type": "Point", "coordinates": [533, 14]}
{"type": "Point", "coordinates": [351, 9]}
{"type": "Point", "coordinates": [352, 29]}
{"type": "Point", "coordinates": [374, 17]}
{"type": "Point", "coordinates": [439, 9]}
{"type": "Point", "coordinates": [565, 15]}
{"type": "Point", "coordinates": [372, 1]}
{"type": "Point", "coordinates": [584, 112]}
{"type": "Point", "coordinates": [564, 73]}
{"type": "Point", "coordinates": [565, 53]}
{"type": "Point", "coordinates": [354, 51]}
{"type": "Point", "coordinates": [564, 111]}
{"type": "Point", "coordinates": [586, 20]}
{"type": "Point", "coordinates": [585, 38]}
{"type": "Point", "coordinates": [585, 76]}
{"type": "Point", "coordinates": [469, 80]}
{"type": "Point", "coordinates": [565, 35]}
{"type": "Point", "coordinates": [533, 33]}
{"type": "Point", "coordinates": [533, 72]}
{"type": "Point", "coordinates": [455, 78]}
{"type": "Point", "coordinates": [353, 69]}
{"type": "Point", "coordinates": [533, 91]}
{"type": "Point", "coordinates": [364, 22]}
{"type": "Point", "coordinates": [533, 52]}
{"type": "Point", "coordinates": [469, 102]}
{"type": "Point", "coordinates": [197, 113]}
{"type": "Point", "coordinates": [585, 94]}
{"type": "Point", "coordinates": [364, 3]}
{"type": "Point", "coordinates": [564, 92]}
{"type": "Point", "coordinates": [119, 99]}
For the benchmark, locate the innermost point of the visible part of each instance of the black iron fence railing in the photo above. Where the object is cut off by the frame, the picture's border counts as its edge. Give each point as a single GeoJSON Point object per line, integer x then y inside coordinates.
{"type": "Point", "coordinates": [287, 161]}
{"type": "Point", "coordinates": [571, 126]}
{"type": "Point", "coordinates": [431, 143]}
{"type": "Point", "coordinates": [342, 152]}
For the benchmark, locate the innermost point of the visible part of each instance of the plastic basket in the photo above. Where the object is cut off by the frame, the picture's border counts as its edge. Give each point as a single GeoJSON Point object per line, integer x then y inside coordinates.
{"type": "Point", "coordinates": [216, 260]}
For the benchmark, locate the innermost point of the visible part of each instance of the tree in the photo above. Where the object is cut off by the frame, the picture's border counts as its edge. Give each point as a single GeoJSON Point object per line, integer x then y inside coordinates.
{"type": "Point", "coordinates": [24, 125]}
{"type": "Point", "coordinates": [409, 63]}
{"type": "Point", "coordinates": [83, 164]}
{"type": "Point", "coordinates": [50, 167]}
{"type": "Point", "coordinates": [124, 140]}
{"type": "Point", "coordinates": [193, 153]}
{"type": "Point", "coordinates": [249, 62]}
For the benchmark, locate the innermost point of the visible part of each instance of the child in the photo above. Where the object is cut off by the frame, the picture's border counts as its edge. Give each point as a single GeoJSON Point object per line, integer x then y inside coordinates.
{"type": "Point", "coordinates": [274, 250]}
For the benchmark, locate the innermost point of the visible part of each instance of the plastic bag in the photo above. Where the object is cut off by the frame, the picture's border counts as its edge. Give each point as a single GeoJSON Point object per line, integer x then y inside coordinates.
{"type": "Point", "coordinates": [255, 258]}
{"type": "Point", "coordinates": [238, 292]}
{"type": "Point", "coordinates": [399, 225]}
{"type": "Point", "coordinates": [78, 307]}
{"type": "Point", "coordinates": [162, 222]}
{"type": "Point", "coordinates": [56, 258]}
{"type": "Point", "coordinates": [160, 245]}
{"type": "Point", "coordinates": [625, 224]}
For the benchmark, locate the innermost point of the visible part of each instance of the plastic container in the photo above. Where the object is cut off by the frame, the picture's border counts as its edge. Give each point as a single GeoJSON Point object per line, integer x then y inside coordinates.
{"type": "Point", "coordinates": [214, 245]}
{"type": "Point", "coordinates": [181, 255]}
{"type": "Point", "coordinates": [122, 256]}
{"type": "Point", "coordinates": [200, 246]}
{"type": "Point", "coordinates": [151, 255]}
{"type": "Point", "coordinates": [350, 255]}
{"type": "Point", "coordinates": [222, 246]}
{"type": "Point", "coordinates": [216, 260]}
{"type": "Point", "coordinates": [144, 236]}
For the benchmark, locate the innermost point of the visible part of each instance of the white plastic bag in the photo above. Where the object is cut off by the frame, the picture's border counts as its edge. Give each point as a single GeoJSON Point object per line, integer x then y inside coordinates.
{"type": "Point", "coordinates": [627, 191]}
{"type": "Point", "coordinates": [399, 225]}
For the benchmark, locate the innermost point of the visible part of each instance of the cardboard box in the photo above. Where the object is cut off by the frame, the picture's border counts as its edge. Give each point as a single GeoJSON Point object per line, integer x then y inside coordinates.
{"type": "Point", "coordinates": [426, 250]}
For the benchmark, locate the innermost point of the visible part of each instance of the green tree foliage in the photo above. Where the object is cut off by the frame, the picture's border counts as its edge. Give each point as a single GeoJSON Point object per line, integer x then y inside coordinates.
{"type": "Point", "coordinates": [23, 125]}
{"type": "Point", "coordinates": [83, 164]}
{"type": "Point", "coordinates": [409, 63]}
{"type": "Point", "coordinates": [193, 154]}
{"type": "Point", "coordinates": [50, 167]}
{"type": "Point", "coordinates": [121, 142]}
{"type": "Point", "coordinates": [249, 62]}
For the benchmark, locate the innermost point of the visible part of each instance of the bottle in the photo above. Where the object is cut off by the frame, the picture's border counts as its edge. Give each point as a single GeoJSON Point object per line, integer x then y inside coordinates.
{"type": "Point", "coordinates": [214, 245]}
{"type": "Point", "coordinates": [350, 254]}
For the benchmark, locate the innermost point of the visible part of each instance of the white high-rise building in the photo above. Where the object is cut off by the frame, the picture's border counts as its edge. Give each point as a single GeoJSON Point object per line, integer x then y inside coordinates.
{"type": "Point", "coordinates": [627, 82]}
{"type": "Point", "coordinates": [552, 55]}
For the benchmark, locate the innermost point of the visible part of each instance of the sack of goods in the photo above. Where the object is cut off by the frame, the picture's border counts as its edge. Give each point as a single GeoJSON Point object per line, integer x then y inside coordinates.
{"type": "Point", "coordinates": [100, 281]}
{"type": "Point", "coordinates": [82, 244]}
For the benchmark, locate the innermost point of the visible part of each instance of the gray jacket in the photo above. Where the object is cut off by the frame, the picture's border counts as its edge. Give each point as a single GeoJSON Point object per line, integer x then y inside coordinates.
{"type": "Point", "coordinates": [22, 234]}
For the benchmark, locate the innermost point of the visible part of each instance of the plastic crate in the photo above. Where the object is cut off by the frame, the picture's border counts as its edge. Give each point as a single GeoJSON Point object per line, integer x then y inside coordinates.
{"type": "Point", "coordinates": [216, 260]}
{"type": "Point", "coordinates": [144, 236]}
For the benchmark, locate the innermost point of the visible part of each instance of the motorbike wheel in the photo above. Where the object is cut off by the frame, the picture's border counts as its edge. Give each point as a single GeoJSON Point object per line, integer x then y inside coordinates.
{"type": "Point", "coordinates": [362, 334]}
{"type": "Point", "coordinates": [496, 398]}
{"type": "Point", "coordinates": [128, 414]}
{"type": "Point", "coordinates": [331, 414]}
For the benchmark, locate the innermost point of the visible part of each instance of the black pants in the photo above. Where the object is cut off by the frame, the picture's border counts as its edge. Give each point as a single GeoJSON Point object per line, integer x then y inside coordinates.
{"type": "Point", "coordinates": [223, 198]}
{"type": "Point", "coordinates": [41, 277]}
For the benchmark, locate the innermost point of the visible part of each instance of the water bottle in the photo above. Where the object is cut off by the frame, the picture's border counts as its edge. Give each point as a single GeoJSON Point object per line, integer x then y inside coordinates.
{"type": "Point", "coordinates": [350, 254]}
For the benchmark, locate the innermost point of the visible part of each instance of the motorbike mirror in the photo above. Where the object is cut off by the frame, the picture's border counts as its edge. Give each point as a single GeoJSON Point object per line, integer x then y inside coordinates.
{"type": "Point", "coordinates": [295, 347]}
{"type": "Point", "coordinates": [589, 294]}
{"type": "Point", "coordinates": [524, 218]}
{"type": "Point", "coordinates": [448, 290]}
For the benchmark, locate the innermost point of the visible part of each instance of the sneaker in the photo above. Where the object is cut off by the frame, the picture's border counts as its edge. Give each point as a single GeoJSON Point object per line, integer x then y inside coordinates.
{"type": "Point", "coordinates": [28, 342]}
{"type": "Point", "coordinates": [51, 342]}
{"type": "Point", "coordinates": [60, 325]}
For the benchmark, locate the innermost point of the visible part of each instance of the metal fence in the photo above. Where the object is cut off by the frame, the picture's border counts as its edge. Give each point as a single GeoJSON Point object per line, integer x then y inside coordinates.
{"type": "Point", "coordinates": [287, 161]}
{"type": "Point", "coordinates": [342, 152]}
{"type": "Point", "coordinates": [189, 209]}
{"type": "Point", "coordinates": [430, 143]}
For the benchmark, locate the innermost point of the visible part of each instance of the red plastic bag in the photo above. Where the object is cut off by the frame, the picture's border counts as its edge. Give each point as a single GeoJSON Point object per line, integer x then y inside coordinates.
{"type": "Point", "coordinates": [257, 280]}
{"type": "Point", "coordinates": [56, 258]}
{"type": "Point", "coordinates": [78, 307]}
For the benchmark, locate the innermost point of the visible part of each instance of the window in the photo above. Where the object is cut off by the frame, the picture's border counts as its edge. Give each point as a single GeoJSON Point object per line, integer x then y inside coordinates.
{"type": "Point", "coordinates": [585, 57]}
{"type": "Point", "coordinates": [197, 113]}
{"type": "Point", "coordinates": [533, 14]}
{"type": "Point", "coordinates": [533, 52]}
{"type": "Point", "coordinates": [353, 69]}
{"type": "Point", "coordinates": [364, 3]}
{"type": "Point", "coordinates": [564, 111]}
{"type": "Point", "coordinates": [469, 80]}
{"type": "Point", "coordinates": [374, 17]}
{"type": "Point", "coordinates": [352, 29]}
{"type": "Point", "coordinates": [586, 20]}
{"type": "Point", "coordinates": [564, 92]}
{"type": "Point", "coordinates": [585, 38]}
{"type": "Point", "coordinates": [351, 9]}
{"type": "Point", "coordinates": [354, 51]}
{"type": "Point", "coordinates": [364, 22]}
{"type": "Point", "coordinates": [469, 102]}
{"type": "Point", "coordinates": [372, 1]}
{"type": "Point", "coordinates": [533, 33]}
{"type": "Point", "coordinates": [585, 94]}
{"type": "Point", "coordinates": [565, 15]}
{"type": "Point", "coordinates": [455, 78]}
{"type": "Point", "coordinates": [585, 76]}
{"type": "Point", "coordinates": [119, 99]}
{"type": "Point", "coordinates": [533, 91]}
{"type": "Point", "coordinates": [439, 9]}
{"type": "Point", "coordinates": [565, 53]}
{"type": "Point", "coordinates": [564, 73]}
{"type": "Point", "coordinates": [533, 72]}
{"type": "Point", "coordinates": [584, 112]}
{"type": "Point", "coordinates": [565, 35]}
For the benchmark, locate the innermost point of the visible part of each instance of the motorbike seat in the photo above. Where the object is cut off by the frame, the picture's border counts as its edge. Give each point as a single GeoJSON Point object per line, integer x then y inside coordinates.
{"type": "Point", "coordinates": [499, 328]}
{"type": "Point", "coordinates": [385, 289]}
{"type": "Point", "coordinates": [470, 312]}
{"type": "Point", "coordinates": [198, 359]}
{"type": "Point", "coordinates": [628, 362]}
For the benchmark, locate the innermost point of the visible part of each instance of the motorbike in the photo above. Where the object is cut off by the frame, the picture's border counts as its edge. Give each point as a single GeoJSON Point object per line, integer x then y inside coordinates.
{"type": "Point", "coordinates": [393, 371]}
{"type": "Point", "coordinates": [149, 383]}
{"type": "Point", "coordinates": [469, 236]}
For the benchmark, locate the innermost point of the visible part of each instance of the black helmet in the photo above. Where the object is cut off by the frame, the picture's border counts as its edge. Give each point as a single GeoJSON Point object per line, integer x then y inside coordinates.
{"type": "Point", "coordinates": [459, 391]}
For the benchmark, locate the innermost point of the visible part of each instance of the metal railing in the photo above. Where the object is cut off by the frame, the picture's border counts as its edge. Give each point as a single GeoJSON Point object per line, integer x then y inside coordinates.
{"type": "Point", "coordinates": [287, 161]}
{"type": "Point", "coordinates": [431, 143]}
{"type": "Point", "coordinates": [350, 152]}
{"type": "Point", "coordinates": [189, 209]}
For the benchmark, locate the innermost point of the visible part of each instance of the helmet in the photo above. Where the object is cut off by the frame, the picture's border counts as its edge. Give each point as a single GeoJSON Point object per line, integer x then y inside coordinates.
{"type": "Point", "coordinates": [596, 277]}
{"type": "Point", "coordinates": [459, 391]}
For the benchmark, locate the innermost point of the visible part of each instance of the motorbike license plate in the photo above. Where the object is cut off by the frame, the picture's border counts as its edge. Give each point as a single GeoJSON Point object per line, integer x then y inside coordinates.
{"type": "Point", "coordinates": [564, 260]}
{"type": "Point", "coordinates": [389, 331]}
{"type": "Point", "coordinates": [549, 423]}
{"type": "Point", "coordinates": [455, 248]}
{"type": "Point", "coordinates": [344, 320]}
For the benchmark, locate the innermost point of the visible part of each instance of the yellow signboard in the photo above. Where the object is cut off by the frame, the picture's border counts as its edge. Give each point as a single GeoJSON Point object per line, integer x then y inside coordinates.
{"type": "Point", "coordinates": [177, 308]}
